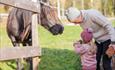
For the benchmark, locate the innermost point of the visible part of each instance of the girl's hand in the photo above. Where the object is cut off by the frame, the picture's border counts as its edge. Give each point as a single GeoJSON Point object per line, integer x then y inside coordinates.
{"type": "Point", "coordinates": [77, 43]}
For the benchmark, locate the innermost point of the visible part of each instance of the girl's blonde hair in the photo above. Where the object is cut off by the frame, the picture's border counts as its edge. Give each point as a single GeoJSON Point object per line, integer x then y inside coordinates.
{"type": "Point", "coordinates": [93, 47]}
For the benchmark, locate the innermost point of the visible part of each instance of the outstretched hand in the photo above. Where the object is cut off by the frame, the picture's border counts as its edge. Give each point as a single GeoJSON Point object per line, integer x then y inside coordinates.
{"type": "Point", "coordinates": [77, 43]}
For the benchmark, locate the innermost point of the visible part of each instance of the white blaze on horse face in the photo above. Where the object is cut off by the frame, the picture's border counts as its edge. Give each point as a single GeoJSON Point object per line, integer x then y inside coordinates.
{"type": "Point", "coordinates": [53, 17]}
{"type": "Point", "coordinates": [50, 15]}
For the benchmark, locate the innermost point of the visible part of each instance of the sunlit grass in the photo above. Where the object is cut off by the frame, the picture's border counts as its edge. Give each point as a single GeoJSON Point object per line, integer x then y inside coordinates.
{"type": "Point", "coordinates": [113, 22]}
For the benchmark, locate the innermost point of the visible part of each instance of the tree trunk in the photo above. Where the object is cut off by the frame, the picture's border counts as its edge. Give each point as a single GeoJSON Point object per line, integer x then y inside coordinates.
{"type": "Point", "coordinates": [82, 4]}
{"type": "Point", "coordinates": [114, 7]}
{"type": "Point", "coordinates": [91, 1]}
{"type": "Point", "coordinates": [58, 9]}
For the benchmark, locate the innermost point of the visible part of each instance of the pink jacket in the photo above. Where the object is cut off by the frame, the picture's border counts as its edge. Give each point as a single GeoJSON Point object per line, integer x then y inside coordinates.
{"type": "Point", "coordinates": [88, 59]}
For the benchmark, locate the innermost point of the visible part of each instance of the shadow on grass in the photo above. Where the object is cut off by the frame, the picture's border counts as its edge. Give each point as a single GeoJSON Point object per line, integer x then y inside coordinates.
{"type": "Point", "coordinates": [59, 59]}
{"type": "Point", "coordinates": [52, 59]}
{"type": "Point", "coordinates": [11, 64]}
{"type": "Point", "coordinates": [8, 65]}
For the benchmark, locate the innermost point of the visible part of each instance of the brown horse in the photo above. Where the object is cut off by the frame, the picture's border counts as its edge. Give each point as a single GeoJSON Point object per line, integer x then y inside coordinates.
{"type": "Point", "coordinates": [19, 26]}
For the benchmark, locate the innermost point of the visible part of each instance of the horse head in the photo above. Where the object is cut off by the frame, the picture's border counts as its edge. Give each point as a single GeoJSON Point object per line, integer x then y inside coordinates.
{"type": "Point", "coordinates": [50, 20]}
{"type": "Point", "coordinates": [19, 23]}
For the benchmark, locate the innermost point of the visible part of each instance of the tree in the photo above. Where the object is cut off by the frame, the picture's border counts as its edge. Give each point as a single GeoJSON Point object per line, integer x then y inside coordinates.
{"type": "Point", "coordinates": [113, 7]}
{"type": "Point", "coordinates": [6, 7]}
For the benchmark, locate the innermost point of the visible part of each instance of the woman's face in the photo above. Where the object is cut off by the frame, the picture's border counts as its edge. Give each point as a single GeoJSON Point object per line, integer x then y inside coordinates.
{"type": "Point", "coordinates": [78, 20]}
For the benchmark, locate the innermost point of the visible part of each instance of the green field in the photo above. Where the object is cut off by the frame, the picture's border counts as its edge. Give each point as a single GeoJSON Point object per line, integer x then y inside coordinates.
{"type": "Point", "coordinates": [57, 51]}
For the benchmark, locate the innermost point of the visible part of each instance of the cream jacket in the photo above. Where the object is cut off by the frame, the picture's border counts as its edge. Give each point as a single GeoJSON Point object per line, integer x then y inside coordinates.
{"type": "Point", "coordinates": [102, 28]}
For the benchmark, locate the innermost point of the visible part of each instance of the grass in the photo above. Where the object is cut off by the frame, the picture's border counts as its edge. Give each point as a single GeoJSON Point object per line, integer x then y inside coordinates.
{"type": "Point", "coordinates": [113, 23]}
{"type": "Point", "coordinates": [59, 59]}
{"type": "Point", "coordinates": [57, 51]}
{"type": "Point", "coordinates": [70, 34]}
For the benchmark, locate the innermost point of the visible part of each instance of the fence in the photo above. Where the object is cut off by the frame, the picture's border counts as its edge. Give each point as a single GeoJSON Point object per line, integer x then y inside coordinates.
{"type": "Point", "coordinates": [22, 52]}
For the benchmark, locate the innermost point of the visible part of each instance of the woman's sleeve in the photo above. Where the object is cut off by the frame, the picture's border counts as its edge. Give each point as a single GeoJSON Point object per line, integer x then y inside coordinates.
{"type": "Point", "coordinates": [100, 19]}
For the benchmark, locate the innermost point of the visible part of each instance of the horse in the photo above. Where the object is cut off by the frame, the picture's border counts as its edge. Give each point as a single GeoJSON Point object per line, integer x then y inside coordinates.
{"type": "Point", "coordinates": [19, 26]}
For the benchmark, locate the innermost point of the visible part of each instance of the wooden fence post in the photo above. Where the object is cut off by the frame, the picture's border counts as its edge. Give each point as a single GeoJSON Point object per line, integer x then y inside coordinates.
{"type": "Point", "coordinates": [35, 43]}
{"type": "Point", "coordinates": [35, 8]}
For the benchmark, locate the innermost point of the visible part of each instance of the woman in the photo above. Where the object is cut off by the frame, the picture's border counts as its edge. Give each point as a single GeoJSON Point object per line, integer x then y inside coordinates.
{"type": "Point", "coordinates": [102, 29]}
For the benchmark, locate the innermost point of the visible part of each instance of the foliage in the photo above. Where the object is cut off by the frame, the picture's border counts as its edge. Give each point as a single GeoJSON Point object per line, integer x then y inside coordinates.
{"type": "Point", "coordinates": [107, 7]}
{"type": "Point", "coordinates": [2, 10]}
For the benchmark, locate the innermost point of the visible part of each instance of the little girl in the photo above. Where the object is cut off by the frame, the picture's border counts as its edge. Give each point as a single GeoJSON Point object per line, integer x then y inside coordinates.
{"type": "Point", "coordinates": [87, 50]}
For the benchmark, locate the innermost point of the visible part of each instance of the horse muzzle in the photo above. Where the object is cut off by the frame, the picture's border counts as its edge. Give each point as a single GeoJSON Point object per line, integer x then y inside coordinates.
{"type": "Point", "coordinates": [56, 29]}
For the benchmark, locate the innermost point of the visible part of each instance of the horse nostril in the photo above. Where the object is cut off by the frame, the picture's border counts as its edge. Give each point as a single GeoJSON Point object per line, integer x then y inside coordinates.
{"type": "Point", "coordinates": [56, 29]}
{"type": "Point", "coordinates": [61, 30]}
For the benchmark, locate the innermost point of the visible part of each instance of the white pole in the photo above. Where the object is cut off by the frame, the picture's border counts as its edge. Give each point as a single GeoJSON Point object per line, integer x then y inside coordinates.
{"type": "Point", "coordinates": [58, 8]}
{"type": "Point", "coordinates": [82, 3]}
{"type": "Point", "coordinates": [91, 1]}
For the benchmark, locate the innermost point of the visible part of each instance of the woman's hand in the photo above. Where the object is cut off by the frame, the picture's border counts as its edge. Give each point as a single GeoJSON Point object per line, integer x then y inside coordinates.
{"type": "Point", "coordinates": [111, 50]}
